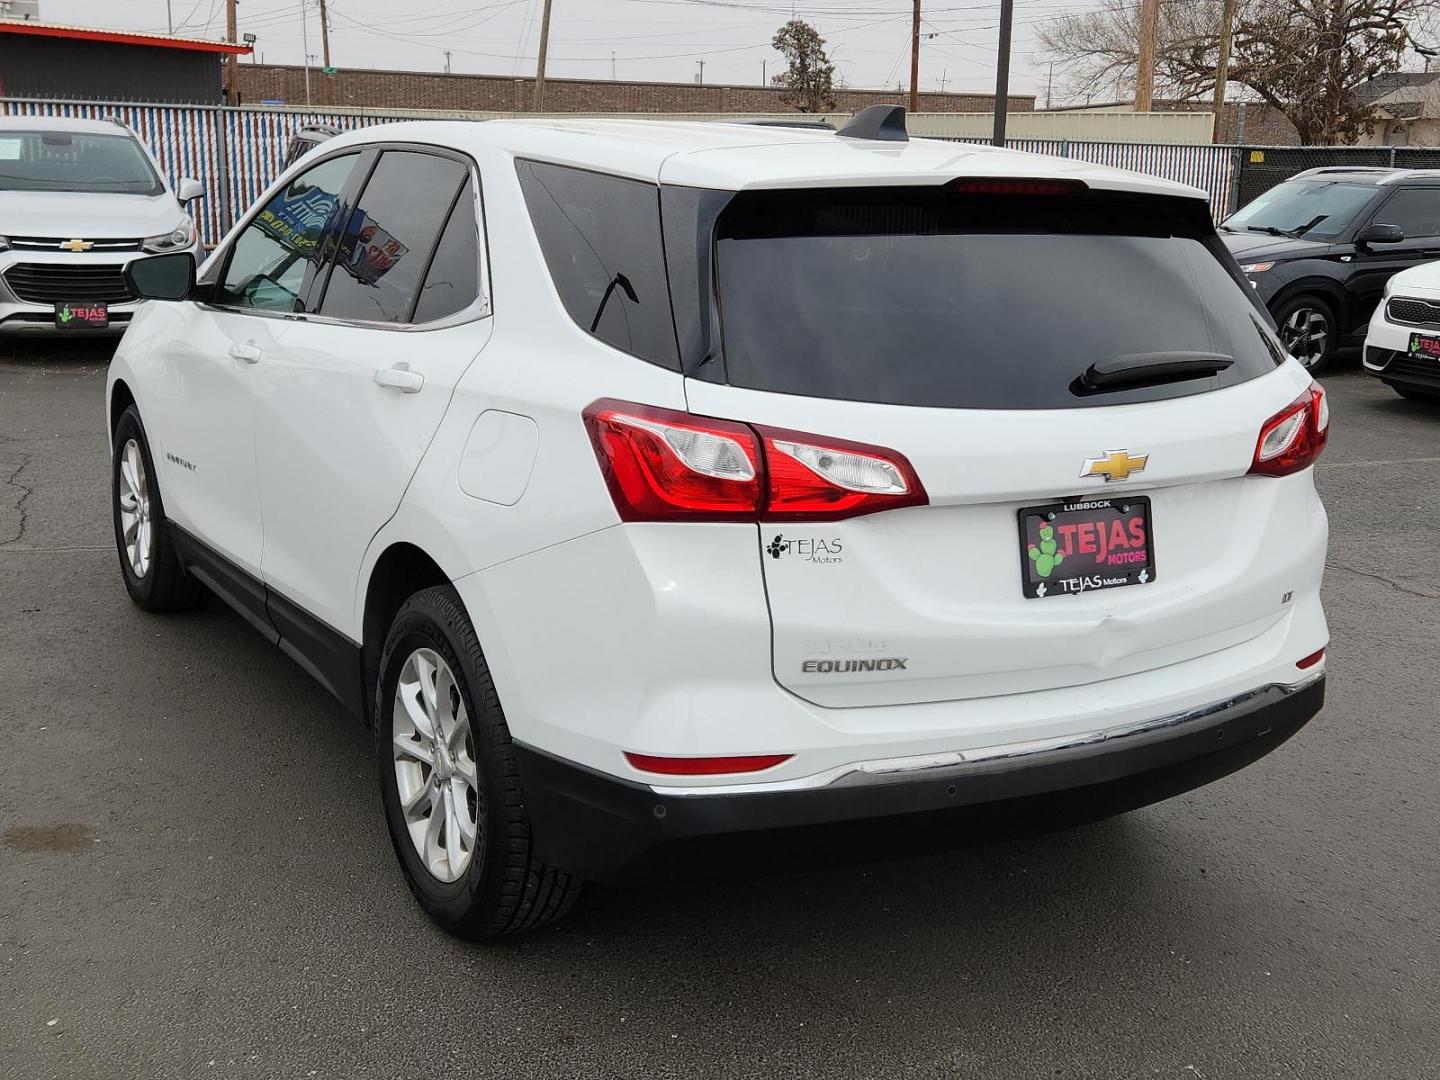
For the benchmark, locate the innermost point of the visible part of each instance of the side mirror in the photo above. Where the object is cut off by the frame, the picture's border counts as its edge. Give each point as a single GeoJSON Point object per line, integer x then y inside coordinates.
{"type": "Point", "coordinates": [1379, 234]}
{"type": "Point", "coordinates": [161, 277]}
{"type": "Point", "coordinates": [189, 189]}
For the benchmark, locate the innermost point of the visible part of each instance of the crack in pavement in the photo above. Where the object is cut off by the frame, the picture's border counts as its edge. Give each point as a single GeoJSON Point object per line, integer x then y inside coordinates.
{"type": "Point", "coordinates": [1396, 585]}
{"type": "Point", "coordinates": [25, 492]}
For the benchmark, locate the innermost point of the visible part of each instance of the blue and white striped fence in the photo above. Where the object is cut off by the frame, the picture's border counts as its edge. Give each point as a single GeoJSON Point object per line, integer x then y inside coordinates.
{"type": "Point", "coordinates": [236, 152]}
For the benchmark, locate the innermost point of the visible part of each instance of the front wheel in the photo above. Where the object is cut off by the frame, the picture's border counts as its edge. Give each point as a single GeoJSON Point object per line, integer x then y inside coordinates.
{"type": "Point", "coordinates": [149, 563]}
{"type": "Point", "coordinates": [1308, 330]}
{"type": "Point", "coordinates": [450, 783]}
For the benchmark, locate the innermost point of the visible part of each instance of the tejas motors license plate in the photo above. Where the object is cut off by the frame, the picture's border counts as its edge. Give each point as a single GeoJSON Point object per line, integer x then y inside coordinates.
{"type": "Point", "coordinates": [1067, 548]}
{"type": "Point", "coordinates": [82, 316]}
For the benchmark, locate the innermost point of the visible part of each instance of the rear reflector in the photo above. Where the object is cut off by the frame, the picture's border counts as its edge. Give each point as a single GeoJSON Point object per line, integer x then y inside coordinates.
{"type": "Point", "coordinates": [705, 766]}
{"type": "Point", "coordinates": [1311, 660]}
{"type": "Point", "coordinates": [1293, 438]}
{"type": "Point", "coordinates": [664, 465]}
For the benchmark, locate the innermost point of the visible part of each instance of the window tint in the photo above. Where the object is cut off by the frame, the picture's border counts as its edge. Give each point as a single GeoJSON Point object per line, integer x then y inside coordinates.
{"type": "Point", "coordinates": [974, 301]}
{"type": "Point", "coordinates": [75, 161]}
{"type": "Point", "coordinates": [1415, 210]}
{"type": "Point", "coordinates": [386, 245]}
{"type": "Point", "coordinates": [280, 249]}
{"type": "Point", "coordinates": [452, 282]}
{"type": "Point", "coordinates": [601, 239]}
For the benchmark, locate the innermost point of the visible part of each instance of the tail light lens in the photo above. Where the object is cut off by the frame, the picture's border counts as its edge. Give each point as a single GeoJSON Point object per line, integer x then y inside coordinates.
{"type": "Point", "coordinates": [662, 465]}
{"type": "Point", "coordinates": [1292, 439]}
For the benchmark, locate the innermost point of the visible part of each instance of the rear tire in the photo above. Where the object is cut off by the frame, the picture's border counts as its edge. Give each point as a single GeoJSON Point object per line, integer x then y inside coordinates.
{"type": "Point", "coordinates": [440, 734]}
{"type": "Point", "coordinates": [150, 565]}
{"type": "Point", "coordinates": [1308, 330]}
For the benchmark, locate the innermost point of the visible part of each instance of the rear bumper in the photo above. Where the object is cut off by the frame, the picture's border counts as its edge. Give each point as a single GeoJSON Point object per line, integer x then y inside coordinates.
{"type": "Point", "coordinates": [621, 831]}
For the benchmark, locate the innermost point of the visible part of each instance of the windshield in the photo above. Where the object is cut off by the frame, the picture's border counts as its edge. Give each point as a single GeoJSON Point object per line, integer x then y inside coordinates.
{"type": "Point", "coordinates": [74, 161]}
{"type": "Point", "coordinates": [1005, 302]}
{"type": "Point", "coordinates": [1317, 209]}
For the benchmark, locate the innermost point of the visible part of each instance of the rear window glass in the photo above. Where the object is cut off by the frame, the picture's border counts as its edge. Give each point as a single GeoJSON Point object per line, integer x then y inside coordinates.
{"type": "Point", "coordinates": [931, 297]}
{"type": "Point", "coordinates": [601, 239]}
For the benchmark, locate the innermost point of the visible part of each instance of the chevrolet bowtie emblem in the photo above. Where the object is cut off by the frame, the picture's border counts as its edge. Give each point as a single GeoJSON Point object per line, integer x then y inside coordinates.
{"type": "Point", "coordinates": [1115, 465]}
{"type": "Point", "coordinates": [75, 245]}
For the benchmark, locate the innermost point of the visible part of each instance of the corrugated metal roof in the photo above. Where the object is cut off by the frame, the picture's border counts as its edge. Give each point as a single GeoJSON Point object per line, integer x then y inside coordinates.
{"type": "Point", "coordinates": [119, 37]}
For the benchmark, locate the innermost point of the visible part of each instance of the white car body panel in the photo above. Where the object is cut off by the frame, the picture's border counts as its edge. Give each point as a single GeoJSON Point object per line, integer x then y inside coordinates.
{"type": "Point", "coordinates": [604, 637]}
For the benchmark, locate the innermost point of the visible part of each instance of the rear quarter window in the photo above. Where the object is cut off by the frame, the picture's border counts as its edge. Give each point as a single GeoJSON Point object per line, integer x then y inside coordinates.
{"type": "Point", "coordinates": [929, 297]}
{"type": "Point", "coordinates": [601, 239]}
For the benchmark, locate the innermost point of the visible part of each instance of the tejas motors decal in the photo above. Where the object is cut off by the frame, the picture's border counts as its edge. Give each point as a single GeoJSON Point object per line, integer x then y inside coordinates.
{"type": "Point", "coordinates": [811, 549]}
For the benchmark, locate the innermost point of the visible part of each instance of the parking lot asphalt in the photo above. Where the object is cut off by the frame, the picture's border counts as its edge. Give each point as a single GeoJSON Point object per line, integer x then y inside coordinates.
{"type": "Point", "coordinates": [196, 881]}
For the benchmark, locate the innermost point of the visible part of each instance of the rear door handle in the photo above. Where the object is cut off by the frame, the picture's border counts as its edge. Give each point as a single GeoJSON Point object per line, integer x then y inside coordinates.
{"type": "Point", "coordinates": [401, 378]}
{"type": "Point", "coordinates": [248, 352]}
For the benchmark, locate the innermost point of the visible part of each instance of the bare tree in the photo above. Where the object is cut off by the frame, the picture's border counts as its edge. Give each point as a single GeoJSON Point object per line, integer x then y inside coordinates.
{"type": "Point", "coordinates": [1305, 57]}
{"type": "Point", "coordinates": [808, 72]}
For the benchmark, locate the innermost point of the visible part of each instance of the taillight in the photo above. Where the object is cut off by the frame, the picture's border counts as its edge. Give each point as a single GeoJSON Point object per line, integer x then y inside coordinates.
{"type": "Point", "coordinates": [670, 466]}
{"type": "Point", "coordinates": [825, 479]}
{"type": "Point", "coordinates": [705, 766]}
{"type": "Point", "coordinates": [663, 465]}
{"type": "Point", "coordinates": [1306, 662]}
{"type": "Point", "coordinates": [1292, 439]}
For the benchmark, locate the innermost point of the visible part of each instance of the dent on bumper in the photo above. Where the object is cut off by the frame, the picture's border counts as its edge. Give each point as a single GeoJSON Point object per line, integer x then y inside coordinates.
{"type": "Point", "coordinates": [618, 830]}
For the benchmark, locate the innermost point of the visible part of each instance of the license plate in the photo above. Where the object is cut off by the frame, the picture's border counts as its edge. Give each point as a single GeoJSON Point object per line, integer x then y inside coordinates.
{"type": "Point", "coordinates": [1068, 548]}
{"type": "Point", "coordinates": [82, 316]}
{"type": "Point", "coordinates": [1424, 345]}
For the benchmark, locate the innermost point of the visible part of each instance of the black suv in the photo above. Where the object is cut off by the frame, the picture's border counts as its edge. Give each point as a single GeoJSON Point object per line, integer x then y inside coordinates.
{"type": "Point", "coordinates": [1319, 248]}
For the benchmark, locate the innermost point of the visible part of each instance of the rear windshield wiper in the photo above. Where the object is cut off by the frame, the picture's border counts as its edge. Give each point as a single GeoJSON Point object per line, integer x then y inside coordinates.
{"type": "Point", "coordinates": [1148, 369]}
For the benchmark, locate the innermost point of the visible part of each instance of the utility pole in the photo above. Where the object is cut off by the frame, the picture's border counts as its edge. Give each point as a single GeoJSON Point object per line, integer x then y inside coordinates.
{"type": "Point", "coordinates": [169, 19]}
{"type": "Point", "coordinates": [1222, 67]}
{"type": "Point", "coordinates": [447, 61]}
{"type": "Point", "coordinates": [232, 62]}
{"type": "Point", "coordinates": [612, 65]}
{"type": "Point", "coordinates": [915, 60]}
{"type": "Point", "coordinates": [765, 72]}
{"type": "Point", "coordinates": [325, 51]}
{"type": "Point", "coordinates": [701, 77]}
{"type": "Point", "coordinates": [1049, 84]}
{"type": "Point", "coordinates": [304, 45]}
{"type": "Point", "coordinates": [1145, 62]}
{"type": "Point", "coordinates": [1002, 71]}
{"type": "Point", "coordinates": [944, 78]}
{"type": "Point", "coordinates": [540, 65]}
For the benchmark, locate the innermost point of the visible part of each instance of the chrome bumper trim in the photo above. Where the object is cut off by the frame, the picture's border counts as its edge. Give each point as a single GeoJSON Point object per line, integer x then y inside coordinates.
{"type": "Point", "coordinates": [921, 763]}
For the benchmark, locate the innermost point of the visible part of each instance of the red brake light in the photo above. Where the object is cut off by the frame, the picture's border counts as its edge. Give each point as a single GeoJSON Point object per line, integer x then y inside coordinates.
{"type": "Point", "coordinates": [671, 466]}
{"type": "Point", "coordinates": [1292, 439]}
{"type": "Point", "coordinates": [819, 479]}
{"type": "Point", "coordinates": [664, 465]}
{"type": "Point", "coordinates": [705, 766]}
{"type": "Point", "coordinates": [1019, 186]}
{"type": "Point", "coordinates": [1310, 661]}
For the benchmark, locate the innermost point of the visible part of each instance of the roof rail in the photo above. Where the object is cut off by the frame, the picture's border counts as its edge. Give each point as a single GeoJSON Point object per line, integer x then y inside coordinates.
{"type": "Point", "coordinates": [885, 123]}
{"type": "Point", "coordinates": [1325, 170]}
{"type": "Point", "coordinates": [780, 121]}
{"type": "Point", "coordinates": [1406, 174]}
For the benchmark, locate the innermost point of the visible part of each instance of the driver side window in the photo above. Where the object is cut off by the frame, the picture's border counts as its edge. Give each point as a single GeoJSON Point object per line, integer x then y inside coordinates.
{"type": "Point", "coordinates": [1415, 210]}
{"type": "Point", "coordinates": [280, 248]}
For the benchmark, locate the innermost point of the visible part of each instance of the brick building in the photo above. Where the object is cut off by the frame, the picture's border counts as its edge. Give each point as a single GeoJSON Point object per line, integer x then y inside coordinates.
{"type": "Point", "coordinates": [501, 93]}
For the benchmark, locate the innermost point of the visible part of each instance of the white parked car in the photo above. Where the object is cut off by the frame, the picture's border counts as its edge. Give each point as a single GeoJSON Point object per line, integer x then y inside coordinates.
{"type": "Point", "coordinates": [657, 488]}
{"type": "Point", "coordinates": [78, 200]}
{"type": "Point", "coordinates": [1402, 346]}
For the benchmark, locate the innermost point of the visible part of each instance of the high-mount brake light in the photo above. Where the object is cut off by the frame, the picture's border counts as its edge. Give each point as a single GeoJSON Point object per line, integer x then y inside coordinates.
{"type": "Point", "coordinates": [705, 766]}
{"type": "Point", "coordinates": [1293, 438]}
{"type": "Point", "coordinates": [665, 465]}
{"type": "Point", "coordinates": [1019, 186]}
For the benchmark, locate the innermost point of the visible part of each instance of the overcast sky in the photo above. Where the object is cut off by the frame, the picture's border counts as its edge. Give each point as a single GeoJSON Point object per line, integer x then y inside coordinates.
{"type": "Point", "coordinates": [648, 39]}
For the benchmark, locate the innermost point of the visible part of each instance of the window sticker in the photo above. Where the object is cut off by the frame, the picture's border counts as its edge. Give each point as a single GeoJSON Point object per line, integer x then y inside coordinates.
{"type": "Point", "coordinates": [10, 148]}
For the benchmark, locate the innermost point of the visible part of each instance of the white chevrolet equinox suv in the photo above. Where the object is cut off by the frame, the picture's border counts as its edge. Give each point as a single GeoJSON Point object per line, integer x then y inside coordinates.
{"type": "Point", "coordinates": [662, 493]}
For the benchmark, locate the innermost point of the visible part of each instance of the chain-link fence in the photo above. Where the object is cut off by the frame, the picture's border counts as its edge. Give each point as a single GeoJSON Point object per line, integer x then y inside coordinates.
{"type": "Point", "coordinates": [1259, 168]}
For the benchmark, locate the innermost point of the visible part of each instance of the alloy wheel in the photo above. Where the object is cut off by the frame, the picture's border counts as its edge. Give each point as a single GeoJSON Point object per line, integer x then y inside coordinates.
{"type": "Point", "coordinates": [435, 770]}
{"type": "Point", "coordinates": [136, 526]}
{"type": "Point", "coordinates": [1305, 335]}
